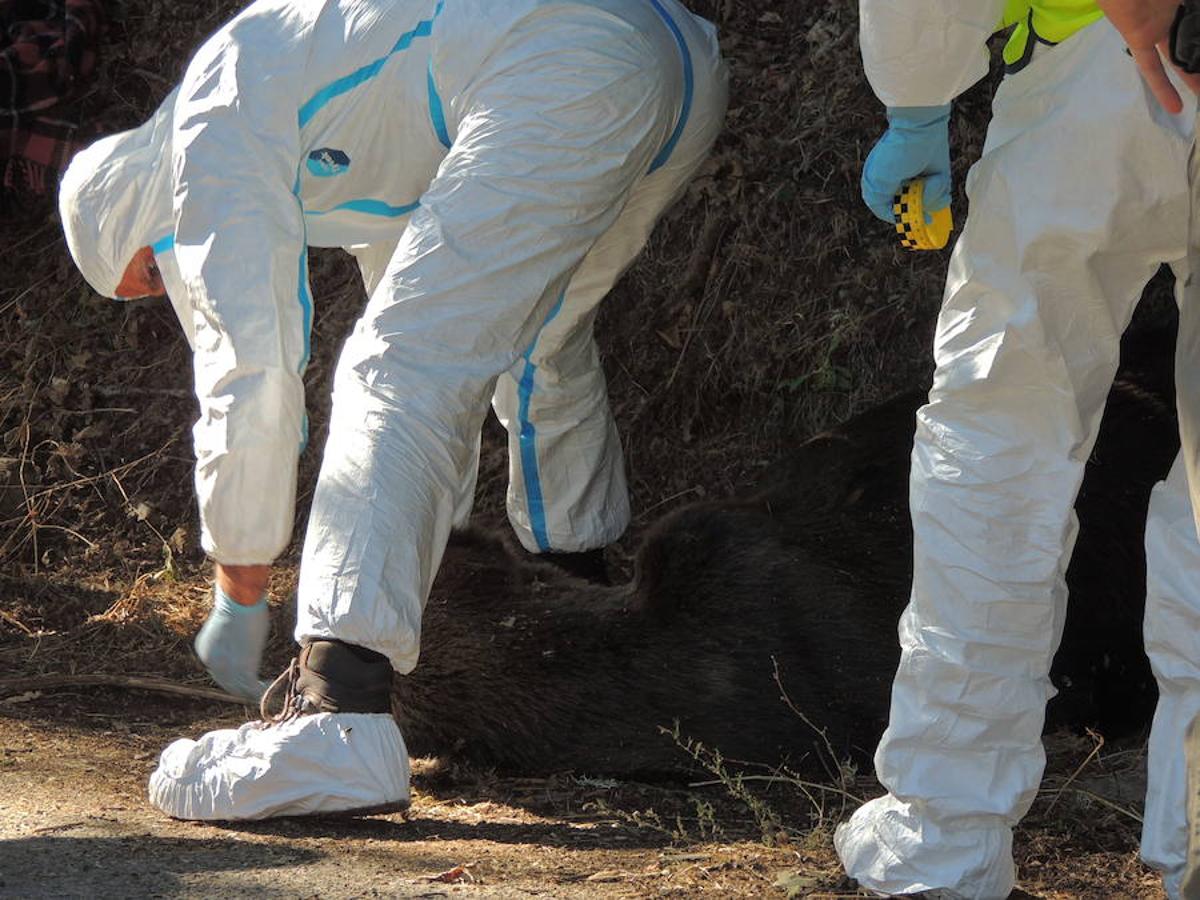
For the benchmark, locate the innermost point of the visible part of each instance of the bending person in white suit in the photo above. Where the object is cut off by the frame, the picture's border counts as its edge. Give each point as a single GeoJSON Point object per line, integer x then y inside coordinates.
{"type": "Point", "coordinates": [495, 168]}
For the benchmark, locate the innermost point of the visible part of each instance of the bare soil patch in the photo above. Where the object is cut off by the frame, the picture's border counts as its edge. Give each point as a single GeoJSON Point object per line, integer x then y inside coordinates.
{"type": "Point", "coordinates": [74, 822]}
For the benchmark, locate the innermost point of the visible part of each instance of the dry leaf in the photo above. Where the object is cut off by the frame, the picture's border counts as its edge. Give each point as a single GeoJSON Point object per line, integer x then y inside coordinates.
{"type": "Point", "coordinates": [457, 875]}
{"type": "Point", "coordinates": [671, 337]}
{"type": "Point", "coordinates": [58, 390]}
{"type": "Point", "coordinates": [607, 875]}
{"type": "Point", "coordinates": [95, 430]}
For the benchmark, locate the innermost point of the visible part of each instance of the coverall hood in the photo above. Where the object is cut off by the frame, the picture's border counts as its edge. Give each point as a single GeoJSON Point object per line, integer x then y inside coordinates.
{"type": "Point", "coordinates": [114, 199]}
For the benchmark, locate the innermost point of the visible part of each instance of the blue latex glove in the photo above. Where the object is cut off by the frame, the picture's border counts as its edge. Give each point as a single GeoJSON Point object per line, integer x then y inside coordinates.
{"type": "Point", "coordinates": [916, 144]}
{"type": "Point", "coordinates": [231, 642]}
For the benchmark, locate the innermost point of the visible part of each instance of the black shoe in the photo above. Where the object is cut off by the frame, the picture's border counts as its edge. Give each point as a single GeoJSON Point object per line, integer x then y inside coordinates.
{"type": "Point", "coordinates": [330, 677]}
{"type": "Point", "coordinates": [586, 564]}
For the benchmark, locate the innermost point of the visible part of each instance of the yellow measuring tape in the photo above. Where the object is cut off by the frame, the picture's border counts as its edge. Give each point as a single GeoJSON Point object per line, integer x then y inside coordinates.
{"type": "Point", "coordinates": [909, 210]}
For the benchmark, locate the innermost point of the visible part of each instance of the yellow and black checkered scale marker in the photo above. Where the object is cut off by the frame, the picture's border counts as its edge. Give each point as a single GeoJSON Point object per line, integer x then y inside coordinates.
{"type": "Point", "coordinates": [909, 211]}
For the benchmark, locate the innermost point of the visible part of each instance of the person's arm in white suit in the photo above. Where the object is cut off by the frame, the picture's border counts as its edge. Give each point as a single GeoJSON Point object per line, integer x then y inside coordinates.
{"type": "Point", "coordinates": [240, 244]}
{"type": "Point", "coordinates": [925, 52]}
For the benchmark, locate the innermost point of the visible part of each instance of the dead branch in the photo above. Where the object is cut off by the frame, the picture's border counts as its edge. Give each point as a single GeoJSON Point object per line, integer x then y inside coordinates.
{"type": "Point", "coordinates": [133, 682]}
{"type": "Point", "coordinates": [836, 773]}
{"type": "Point", "coordinates": [127, 390]}
{"type": "Point", "coordinates": [787, 779]}
{"type": "Point", "coordinates": [1098, 743]}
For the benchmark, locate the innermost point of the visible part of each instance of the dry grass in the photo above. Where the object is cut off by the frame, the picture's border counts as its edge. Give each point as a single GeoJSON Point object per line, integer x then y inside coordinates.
{"type": "Point", "coordinates": [768, 305]}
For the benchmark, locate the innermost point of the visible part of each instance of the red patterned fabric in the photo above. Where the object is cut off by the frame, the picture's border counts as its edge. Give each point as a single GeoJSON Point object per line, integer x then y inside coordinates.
{"type": "Point", "coordinates": [47, 56]}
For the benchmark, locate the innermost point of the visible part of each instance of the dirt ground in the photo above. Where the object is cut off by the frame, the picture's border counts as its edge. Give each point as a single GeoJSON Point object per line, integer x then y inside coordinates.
{"type": "Point", "coordinates": [74, 822]}
{"type": "Point", "coordinates": [767, 306]}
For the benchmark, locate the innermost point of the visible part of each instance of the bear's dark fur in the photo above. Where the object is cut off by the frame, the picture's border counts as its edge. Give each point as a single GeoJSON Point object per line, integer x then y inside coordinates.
{"type": "Point", "coordinates": [524, 668]}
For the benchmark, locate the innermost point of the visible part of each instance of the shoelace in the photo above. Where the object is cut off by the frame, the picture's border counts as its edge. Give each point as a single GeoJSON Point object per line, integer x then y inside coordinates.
{"type": "Point", "coordinates": [293, 700]}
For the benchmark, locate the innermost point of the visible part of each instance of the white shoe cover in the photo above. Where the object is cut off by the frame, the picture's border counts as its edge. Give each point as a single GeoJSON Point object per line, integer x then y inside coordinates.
{"type": "Point", "coordinates": [323, 763]}
{"type": "Point", "coordinates": [888, 848]}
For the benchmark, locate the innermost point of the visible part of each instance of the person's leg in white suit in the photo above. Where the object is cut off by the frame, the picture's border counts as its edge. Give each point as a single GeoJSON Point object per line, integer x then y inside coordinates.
{"type": "Point", "coordinates": [1079, 197]}
{"type": "Point", "coordinates": [1172, 632]}
{"type": "Point", "coordinates": [567, 489]}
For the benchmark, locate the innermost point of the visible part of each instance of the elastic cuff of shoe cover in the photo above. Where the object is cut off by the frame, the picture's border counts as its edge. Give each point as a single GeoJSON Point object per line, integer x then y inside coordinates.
{"type": "Point", "coordinates": [344, 678]}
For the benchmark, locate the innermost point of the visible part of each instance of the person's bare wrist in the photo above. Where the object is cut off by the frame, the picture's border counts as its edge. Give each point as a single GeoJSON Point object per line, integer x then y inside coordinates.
{"type": "Point", "coordinates": [243, 584]}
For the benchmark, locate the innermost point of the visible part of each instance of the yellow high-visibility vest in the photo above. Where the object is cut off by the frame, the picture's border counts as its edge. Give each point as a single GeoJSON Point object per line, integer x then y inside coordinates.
{"type": "Point", "coordinates": [1051, 20]}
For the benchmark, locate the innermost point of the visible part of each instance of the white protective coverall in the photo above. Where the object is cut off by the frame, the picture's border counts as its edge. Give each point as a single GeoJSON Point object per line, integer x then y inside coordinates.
{"type": "Point", "coordinates": [1081, 193]}
{"type": "Point", "coordinates": [494, 167]}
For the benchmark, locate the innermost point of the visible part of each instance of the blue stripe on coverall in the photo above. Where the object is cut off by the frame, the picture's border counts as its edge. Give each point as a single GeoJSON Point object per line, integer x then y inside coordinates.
{"type": "Point", "coordinates": [349, 82]}
{"type": "Point", "coordinates": [436, 114]}
{"type": "Point", "coordinates": [305, 306]}
{"type": "Point", "coordinates": [163, 244]}
{"type": "Point", "coordinates": [368, 206]}
{"type": "Point", "coordinates": [689, 87]}
{"type": "Point", "coordinates": [527, 437]}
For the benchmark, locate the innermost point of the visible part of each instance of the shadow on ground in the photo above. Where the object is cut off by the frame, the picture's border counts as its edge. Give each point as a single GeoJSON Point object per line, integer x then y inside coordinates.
{"type": "Point", "coordinates": [67, 865]}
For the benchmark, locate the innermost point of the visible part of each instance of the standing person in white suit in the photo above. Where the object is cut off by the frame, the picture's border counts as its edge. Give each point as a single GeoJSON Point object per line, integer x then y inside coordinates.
{"type": "Point", "coordinates": [1080, 195]}
{"type": "Point", "coordinates": [494, 167]}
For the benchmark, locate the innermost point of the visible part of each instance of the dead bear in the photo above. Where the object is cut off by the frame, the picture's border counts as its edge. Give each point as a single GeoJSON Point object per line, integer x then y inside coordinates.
{"type": "Point", "coordinates": [527, 669]}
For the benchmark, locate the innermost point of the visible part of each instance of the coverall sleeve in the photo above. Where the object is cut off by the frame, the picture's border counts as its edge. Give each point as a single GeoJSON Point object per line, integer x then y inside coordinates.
{"type": "Point", "coordinates": [240, 246]}
{"type": "Point", "coordinates": [925, 52]}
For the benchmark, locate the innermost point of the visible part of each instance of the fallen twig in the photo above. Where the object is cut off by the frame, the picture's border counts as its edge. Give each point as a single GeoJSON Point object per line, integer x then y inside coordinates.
{"type": "Point", "coordinates": [16, 623]}
{"type": "Point", "coordinates": [1098, 743]}
{"type": "Point", "coordinates": [127, 390]}
{"type": "Point", "coordinates": [93, 479]}
{"type": "Point", "coordinates": [135, 682]}
{"type": "Point", "coordinates": [787, 779]}
{"type": "Point", "coordinates": [1104, 801]}
{"type": "Point", "coordinates": [836, 773]}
